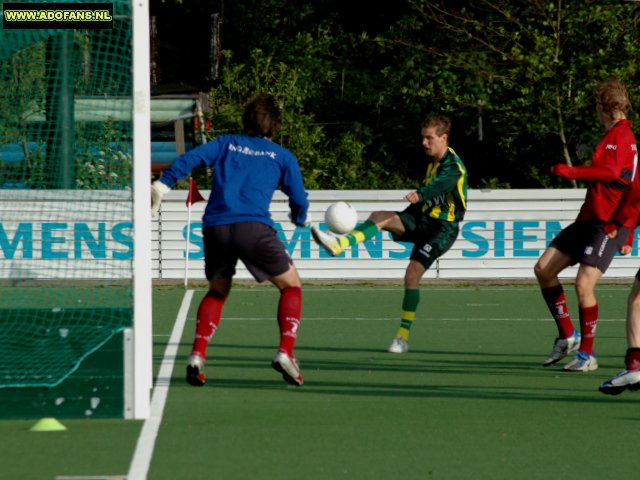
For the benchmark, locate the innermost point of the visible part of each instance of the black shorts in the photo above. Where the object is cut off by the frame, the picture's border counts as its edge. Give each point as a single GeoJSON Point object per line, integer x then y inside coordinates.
{"type": "Point", "coordinates": [255, 243]}
{"type": "Point", "coordinates": [587, 243]}
{"type": "Point", "coordinates": [431, 238]}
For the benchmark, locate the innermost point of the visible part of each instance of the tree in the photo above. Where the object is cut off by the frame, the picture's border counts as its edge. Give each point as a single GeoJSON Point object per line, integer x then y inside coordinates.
{"type": "Point", "coordinates": [529, 67]}
{"type": "Point", "coordinates": [343, 141]}
{"type": "Point", "coordinates": [356, 79]}
{"type": "Point", "coordinates": [330, 162]}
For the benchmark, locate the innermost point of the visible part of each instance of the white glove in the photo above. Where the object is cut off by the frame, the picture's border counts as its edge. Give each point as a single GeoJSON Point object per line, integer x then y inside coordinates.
{"type": "Point", "coordinates": [158, 189]}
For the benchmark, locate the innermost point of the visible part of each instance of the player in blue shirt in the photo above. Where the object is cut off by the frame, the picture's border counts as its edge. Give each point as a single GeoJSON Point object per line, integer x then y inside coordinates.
{"type": "Point", "coordinates": [237, 225]}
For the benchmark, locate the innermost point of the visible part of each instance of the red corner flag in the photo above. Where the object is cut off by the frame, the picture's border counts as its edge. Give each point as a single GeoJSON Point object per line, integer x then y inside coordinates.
{"type": "Point", "coordinates": [194, 194]}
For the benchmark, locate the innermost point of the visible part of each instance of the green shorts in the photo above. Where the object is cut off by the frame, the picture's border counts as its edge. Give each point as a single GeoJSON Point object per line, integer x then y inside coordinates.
{"type": "Point", "coordinates": [431, 238]}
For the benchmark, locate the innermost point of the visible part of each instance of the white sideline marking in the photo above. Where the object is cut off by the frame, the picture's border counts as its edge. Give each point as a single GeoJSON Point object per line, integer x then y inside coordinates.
{"type": "Point", "coordinates": [139, 467]}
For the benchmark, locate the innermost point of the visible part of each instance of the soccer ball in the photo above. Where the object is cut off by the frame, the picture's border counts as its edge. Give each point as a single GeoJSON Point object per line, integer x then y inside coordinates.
{"type": "Point", "coordinates": [341, 217]}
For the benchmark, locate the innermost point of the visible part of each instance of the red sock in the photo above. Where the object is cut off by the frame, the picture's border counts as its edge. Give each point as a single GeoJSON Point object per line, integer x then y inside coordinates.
{"type": "Point", "coordinates": [557, 304]}
{"type": "Point", "coordinates": [209, 313]}
{"type": "Point", "coordinates": [632, 359]}
{"type": "Point", "coordinates": [588, 321]}
{"type": "Point", "coordinates": [289, 310]}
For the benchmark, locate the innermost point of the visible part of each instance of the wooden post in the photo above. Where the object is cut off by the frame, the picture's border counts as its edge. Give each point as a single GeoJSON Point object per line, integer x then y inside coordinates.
{"type": "Point", "coordinates": [178, 126]}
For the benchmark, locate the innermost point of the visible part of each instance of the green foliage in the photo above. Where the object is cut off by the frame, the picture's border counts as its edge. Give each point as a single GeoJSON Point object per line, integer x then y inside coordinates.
{"type": "Point", "coordinates": [327, 162]}
{"type": "Point", "coordinates": [493, 184]}
{"type": "Point", "coordinates": [354, 80]}
{"type": "Point", "coordinates": [529, 68]}
{"type": "Point", "coordinates": [103, 158]}
{"type": "Point", "coordinates": [106, 161]}
{"type": "Point", "coordinates": [20, 90]}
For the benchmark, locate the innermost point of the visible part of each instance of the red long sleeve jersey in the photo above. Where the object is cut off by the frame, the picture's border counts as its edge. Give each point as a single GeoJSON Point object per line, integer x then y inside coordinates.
{"type": "Point", "coordinates": [627, 214]}
{"type": "Point", "coordinates": [613, 168]}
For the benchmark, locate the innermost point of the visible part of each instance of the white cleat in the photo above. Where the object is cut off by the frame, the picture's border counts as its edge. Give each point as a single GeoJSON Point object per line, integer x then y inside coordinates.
{"type": "Point", "coordinates": [581, 362]}
{"type": "Point", "coordinates": [563, 347]}
{"type": "Point", "coordinates": [327, 241]}
{"type": "Point", "coordinates": [399, 345]}
{"type": "Point", "coordinates": [195, 370]}
{"type": "Point", "coordinates": [288, 367]}
{"type": "Point", "coordinates": [625, 380]}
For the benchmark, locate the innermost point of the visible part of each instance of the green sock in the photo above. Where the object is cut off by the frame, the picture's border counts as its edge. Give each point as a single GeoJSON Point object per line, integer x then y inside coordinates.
{"type": "Point", "coordinates": [362, 232]}
{"type": "Point", "coordinates": [409, 306]}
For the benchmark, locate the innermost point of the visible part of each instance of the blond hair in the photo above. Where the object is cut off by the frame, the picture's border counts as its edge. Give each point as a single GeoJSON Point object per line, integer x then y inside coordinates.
{"type": "Point", "coordinates": [612, 97]}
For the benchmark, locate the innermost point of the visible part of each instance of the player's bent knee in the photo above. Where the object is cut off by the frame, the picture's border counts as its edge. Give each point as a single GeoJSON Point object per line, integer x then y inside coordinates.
{"type": "Point", "coordinates": [381, 216]}
{"type": "Point", "coordinates": [541, 272]}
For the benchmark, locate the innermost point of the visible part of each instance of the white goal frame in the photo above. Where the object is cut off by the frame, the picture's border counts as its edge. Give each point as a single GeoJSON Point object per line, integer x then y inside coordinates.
{"type": "Point", "coordinates": [138, 342]}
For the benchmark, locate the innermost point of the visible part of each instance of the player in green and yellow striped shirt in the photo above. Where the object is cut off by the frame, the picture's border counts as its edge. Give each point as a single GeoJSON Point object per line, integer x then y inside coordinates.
{"type": "Point", "coordinates": [430, 222]}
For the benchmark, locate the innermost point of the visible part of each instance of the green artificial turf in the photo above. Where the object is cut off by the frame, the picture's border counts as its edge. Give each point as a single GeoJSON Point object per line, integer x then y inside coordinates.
{"type": "Point", "coordinates": [469, 401]}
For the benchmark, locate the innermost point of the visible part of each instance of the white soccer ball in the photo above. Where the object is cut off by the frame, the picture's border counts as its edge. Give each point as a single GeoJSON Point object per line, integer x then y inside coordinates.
{"type": "Point", "coordinates": [341, 217]}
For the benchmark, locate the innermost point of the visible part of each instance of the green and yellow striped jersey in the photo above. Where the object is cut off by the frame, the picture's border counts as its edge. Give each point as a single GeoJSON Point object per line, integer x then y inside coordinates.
{"type": "Point", "coordinates": [444, 189]}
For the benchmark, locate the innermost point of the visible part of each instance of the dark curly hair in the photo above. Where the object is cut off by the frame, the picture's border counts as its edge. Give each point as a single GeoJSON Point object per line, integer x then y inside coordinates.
{"type": "Point", "coordinates": [262, 116]}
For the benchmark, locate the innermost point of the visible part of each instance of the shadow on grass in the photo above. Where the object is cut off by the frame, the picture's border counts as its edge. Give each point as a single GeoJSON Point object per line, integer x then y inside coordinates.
{"type": "Point", "coordinates": [349, 389]}
{"type": "Point", "coordinates": [419, 374]}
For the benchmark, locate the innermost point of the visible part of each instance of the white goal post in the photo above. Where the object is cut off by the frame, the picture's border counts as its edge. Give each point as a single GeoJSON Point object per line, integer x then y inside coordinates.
{"type": "Point", "coordinates": [138, 347]}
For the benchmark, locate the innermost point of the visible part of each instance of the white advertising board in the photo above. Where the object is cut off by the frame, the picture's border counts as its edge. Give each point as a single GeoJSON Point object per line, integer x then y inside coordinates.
{"type": "Point", "coordinates": [89, 235]}
{"type": "Point", "coordinates": [62, 234]}
{"type": "Point", "coordinates": [502, 236]}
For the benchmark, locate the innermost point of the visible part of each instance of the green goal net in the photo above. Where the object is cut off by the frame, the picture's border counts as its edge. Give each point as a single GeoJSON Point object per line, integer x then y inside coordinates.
{"type": "Point", "coordinates": [66, 195]}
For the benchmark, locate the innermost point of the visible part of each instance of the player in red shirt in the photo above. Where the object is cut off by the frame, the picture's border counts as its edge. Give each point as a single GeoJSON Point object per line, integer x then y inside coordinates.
{"type": "Point", "coordinates": [613, 169]}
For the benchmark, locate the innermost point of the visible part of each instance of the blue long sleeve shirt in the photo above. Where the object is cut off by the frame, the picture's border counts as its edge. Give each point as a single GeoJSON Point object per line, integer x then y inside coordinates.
{"type": "Point", "coordinates": [246, 172]}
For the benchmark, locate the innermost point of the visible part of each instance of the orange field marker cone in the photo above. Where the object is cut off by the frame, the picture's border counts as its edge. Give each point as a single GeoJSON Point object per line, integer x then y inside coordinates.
{"type": "Point", "coordinates": [47, 425]}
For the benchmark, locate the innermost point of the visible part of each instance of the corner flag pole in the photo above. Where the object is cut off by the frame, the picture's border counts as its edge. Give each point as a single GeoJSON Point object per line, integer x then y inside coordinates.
{"type": "Point", "coordinates": [186, 255]}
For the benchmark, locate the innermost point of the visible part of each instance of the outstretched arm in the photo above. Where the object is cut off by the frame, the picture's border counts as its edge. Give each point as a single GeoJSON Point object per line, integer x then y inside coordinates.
{"type": "Point", "coordinates": [603, 173]}
{"type": "Point", "coordinates": [181, 167]}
